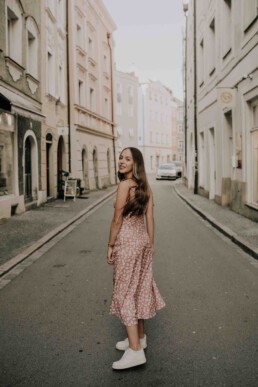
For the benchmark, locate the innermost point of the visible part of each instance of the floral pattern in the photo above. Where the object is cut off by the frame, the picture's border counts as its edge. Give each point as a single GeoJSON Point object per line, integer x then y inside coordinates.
{"type": "Point", "coordinates": [135, 293]}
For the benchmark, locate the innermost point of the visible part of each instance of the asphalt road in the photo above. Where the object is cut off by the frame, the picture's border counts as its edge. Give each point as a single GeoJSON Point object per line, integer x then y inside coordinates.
{"type": "Point", "coordinates": [56, 331]}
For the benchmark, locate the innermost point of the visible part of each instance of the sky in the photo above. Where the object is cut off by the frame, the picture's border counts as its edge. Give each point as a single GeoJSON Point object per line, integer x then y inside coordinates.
{"type": "Point", "coordinates": [148, 39]}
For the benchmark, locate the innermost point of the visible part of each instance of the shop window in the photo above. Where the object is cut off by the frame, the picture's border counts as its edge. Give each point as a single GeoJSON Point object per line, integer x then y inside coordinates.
{"type": "Point", "coordinates": [6, 155]}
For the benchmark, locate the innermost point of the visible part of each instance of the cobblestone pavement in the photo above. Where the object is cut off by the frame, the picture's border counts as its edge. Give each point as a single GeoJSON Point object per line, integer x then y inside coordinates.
{"type": "Point", "coordinates": [241, 230]}
{"type": "Point", "coordinates": [22, 231]}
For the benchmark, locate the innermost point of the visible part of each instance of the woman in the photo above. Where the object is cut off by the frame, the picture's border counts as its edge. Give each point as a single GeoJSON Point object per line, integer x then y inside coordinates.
{"type": "Point", "coordinates": [130, 249]}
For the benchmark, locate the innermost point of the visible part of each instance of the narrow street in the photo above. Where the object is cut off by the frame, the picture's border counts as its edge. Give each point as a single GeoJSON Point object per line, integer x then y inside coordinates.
{"type": "Point", "coordinates": [56, 330]}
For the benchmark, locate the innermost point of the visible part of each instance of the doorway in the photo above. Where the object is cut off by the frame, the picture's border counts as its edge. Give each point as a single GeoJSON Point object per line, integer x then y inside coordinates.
{"type": "Point", "coordinates": [28, 170]}
{"type": "Point", "coordinates": [212, 168]}
{"type": "Point", "coordinates": [95, 168]}
{"type": "Point", "coordinates": [49, 141]}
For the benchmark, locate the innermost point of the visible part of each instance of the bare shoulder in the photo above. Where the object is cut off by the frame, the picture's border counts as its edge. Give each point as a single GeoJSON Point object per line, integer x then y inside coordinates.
{"type": "Point", "coordinates": [123, 186]}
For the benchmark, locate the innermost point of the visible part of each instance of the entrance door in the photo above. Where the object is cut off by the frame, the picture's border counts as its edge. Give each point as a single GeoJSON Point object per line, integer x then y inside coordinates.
{"type": "Point", "coordinates": [60, 151]}
{"type": "Point", "coordinates": [48, 148]}
{"type": "Point", "coordinates": [212, 164]}
{"type": "Point", "coordinates": [95, 168]}
{"type": "Point", "coordinates": [28, 171]}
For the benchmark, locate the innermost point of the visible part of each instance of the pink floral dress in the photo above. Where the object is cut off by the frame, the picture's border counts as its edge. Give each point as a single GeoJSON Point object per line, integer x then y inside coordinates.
{"type": "Point", "coordinates": [135, 293]}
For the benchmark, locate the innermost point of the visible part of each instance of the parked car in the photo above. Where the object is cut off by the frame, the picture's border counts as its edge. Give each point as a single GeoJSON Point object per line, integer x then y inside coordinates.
{"type": "Point", "coordinates": [166, 171]}
{"type": "Point", "coordinates": [179, 168]}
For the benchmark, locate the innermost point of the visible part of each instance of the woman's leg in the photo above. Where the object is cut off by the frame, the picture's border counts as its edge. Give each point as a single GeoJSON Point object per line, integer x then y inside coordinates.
{"type": "Point", "coordinates": [133, 337]}
{"type": "Point", "coordinates": [141, 329]}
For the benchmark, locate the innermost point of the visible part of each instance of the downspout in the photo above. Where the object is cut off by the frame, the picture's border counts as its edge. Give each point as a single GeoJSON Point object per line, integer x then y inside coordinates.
{"type": "Point", "coordinates": [112, 103]}
{"type": "Point", "coordinates": [185, 80]}
{"type": "Point", "coordinates": [68, 85]}
{"type": "Point", "coordinates": [195, 107]}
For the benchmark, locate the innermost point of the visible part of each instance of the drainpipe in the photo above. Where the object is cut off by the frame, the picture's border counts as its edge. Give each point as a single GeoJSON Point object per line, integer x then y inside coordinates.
{"type": "Point", "coordinates": [112, 103]}
{"type": "Point", "coordinates": [185, 9]}
{"type": "Point", "coordinates": [195, 106]}
{"type": "Point", "coordinates": [68, 85]}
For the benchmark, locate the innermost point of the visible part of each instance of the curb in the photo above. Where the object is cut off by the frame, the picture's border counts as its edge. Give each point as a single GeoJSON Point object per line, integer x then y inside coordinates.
{"type": "Point", "coordinates": [240, 242]}
{"type": "Point", "coordinates": [7, 266]}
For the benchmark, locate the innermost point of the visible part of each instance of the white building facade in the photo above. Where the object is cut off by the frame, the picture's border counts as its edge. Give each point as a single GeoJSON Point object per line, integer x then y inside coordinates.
{"type": "Point", "coordinates": [226, 90]}
{"type": "Point", "coordinates": [155, 134]}
{"type": "Point", "coordinates": [127, 94]}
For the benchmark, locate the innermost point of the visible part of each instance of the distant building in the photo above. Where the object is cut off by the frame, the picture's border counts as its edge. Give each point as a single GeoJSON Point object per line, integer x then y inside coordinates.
{"type": "Point", "coordinates": [227, 102]}
{"type": "Point", "coordinates": [154, 136]}
{"type": "Point", "coordinates": [177, 128]}
{"type": "Point", "coordinates": [127, 94]}
{"type": "Point", "coordinates": [20, 106]}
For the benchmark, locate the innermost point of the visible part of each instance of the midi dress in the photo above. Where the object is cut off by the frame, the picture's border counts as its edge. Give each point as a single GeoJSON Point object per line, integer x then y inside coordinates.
{"type": "Point", "coordinates": [135, 293]}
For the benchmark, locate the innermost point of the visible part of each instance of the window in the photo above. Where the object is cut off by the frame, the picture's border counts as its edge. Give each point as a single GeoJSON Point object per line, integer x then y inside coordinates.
{"type": "Point", "coordinates": [212, 48]}
{"type": "Point", "coordinates": [119, 98]}
{"type": "Point", "coordinates": [14, 31]}
{"type": "Point", "coordinates": [105, 64]}
{"type": "Point", "coordinates": [151, 137]}
{"type": "Point", "coordinates": [226, 28]}
{"type": "Point", "coordinates": [50, 74]}
{"type": "Point", "coordinates": [90, 47]}
{"type": "Point", "coordinates": [61, 83]}
{"type": "Point", "coordinates": [106, 108]}
{"type": "Point", "coordinates": [81, 92]}
{"type": "Point", "coordinates": [130, 101]}
{"type": "Point", "coordinates": [61, 13]}
{"type": "Point", "coordinates": [32, 48]}
{"type": "Point", "coordinates": [79, 36]}
{"type": "Point", "coordinates": [250, 12]}
{"type": "Point", "coordinates": [92, 99]}
{"type": "Point", "coordinates": [201, 63]}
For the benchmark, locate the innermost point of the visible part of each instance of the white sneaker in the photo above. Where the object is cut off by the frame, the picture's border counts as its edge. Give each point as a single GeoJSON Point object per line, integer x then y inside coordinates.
{"type": "Point", "coordinates": [123, 345]}
{"type": "Point", "coordinates": [130, 359]}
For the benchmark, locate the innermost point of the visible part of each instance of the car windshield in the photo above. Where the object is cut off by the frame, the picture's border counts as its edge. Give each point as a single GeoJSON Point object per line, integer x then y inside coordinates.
{"type": "Point", "coordinates": [166, 166]}
{"type": "Point", "coordinates": [178, 163]}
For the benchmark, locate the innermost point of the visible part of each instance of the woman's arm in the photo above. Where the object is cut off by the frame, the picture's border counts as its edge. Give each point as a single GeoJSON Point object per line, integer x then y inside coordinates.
{"type": "Point", "coordinates": [121, 199]}
{"type": "Point", "coordinates": [150, 219]}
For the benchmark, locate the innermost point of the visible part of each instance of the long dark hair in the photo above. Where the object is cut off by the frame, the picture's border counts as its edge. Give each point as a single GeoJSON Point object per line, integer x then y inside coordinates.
{"type": "Point", "coordinates": [137, 205]}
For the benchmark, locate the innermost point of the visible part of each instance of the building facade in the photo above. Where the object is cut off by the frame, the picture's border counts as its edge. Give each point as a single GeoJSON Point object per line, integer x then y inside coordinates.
{"type": "Point", "coordinates": [155, 133]}
{"type": "Point", "coordinates": [224, 60]}
{"type": "Point", "coordinates": [54, 96]}
{"type": "Point", "coordinates": [91, 77]}
{"type": "Point", "coordinates": [127, 94]}
{"type": "Point", "coordinates": [20, 106]}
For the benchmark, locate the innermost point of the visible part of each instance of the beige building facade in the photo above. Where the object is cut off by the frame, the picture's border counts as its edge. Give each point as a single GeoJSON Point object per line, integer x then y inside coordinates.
{"type": "Point", "coordinates": [227, 102]}
{"type": "Point", "coordinates": [91, 76]}
{"type": "Point", "coordinates": [54, 89]}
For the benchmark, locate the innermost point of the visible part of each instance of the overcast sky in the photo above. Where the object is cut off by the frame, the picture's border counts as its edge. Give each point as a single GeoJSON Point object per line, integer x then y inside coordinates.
{"type": "Point", "coordinates": [149, 39]}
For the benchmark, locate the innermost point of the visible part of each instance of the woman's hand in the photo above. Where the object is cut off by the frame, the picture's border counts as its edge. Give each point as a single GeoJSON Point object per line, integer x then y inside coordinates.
{"type": "Point", "coordinates": [110, 260]}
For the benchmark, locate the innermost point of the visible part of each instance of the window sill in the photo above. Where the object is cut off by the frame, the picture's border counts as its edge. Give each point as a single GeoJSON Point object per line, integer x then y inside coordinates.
{"type": "Point", "coordinates": [92, 61]}
{"type": "Point", "coordinates": [212, 71]}
{"type": "Point", "coordinates": [253, 206]}
{"type": "Point", "coordinates": [15, 69]}
{"type": "Point", "coordinates": [249, 26]}
{"type": "Point", "coordinates": [227, 52]}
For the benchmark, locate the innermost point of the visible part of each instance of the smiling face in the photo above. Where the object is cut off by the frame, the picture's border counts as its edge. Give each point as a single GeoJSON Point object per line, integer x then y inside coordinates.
{"type": "Point", "coordinates": [125, 164]}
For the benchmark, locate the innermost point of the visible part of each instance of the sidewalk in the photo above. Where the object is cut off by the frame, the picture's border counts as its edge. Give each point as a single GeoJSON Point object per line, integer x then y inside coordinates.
{"type": "Point", "coordinates": [23, 234]}
{"type": "Point", "coordinates": [242, 231]}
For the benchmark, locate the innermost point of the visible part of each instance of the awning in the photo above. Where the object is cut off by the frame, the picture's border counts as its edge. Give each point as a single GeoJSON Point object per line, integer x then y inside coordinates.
{"type": "Point", "coordinates": [23, 105]}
